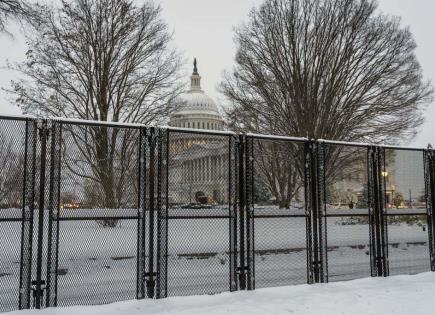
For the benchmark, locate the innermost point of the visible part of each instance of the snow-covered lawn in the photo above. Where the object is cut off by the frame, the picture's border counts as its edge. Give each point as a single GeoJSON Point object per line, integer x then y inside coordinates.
{"type": "Point", "coordinates": [98, 265]}
{"type": "Point", "coordinates": [399, 295]}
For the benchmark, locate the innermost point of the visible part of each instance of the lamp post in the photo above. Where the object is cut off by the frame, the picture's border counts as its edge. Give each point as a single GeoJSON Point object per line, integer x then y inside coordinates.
{"type": "Point", "coordinates": [384, 174]}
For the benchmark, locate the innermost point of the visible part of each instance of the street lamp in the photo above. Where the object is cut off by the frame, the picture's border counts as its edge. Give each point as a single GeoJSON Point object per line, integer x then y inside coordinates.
{"type": "Point", "coordinates": [384, 174]}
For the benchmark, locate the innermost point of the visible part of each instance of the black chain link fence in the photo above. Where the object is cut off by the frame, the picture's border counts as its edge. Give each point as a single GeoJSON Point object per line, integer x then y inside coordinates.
{"type": "Point", "coordinates": [97, 221]}
{"type": "Point", "coordinates": [346, 211]}
{"type": "Point", "coordinates": [408, 250]}
{"type": "Point", "coordinates": [93, 213]}
{"type": "Point", "coordinates": [280, 249]}
{"type": "Point", "coordinates": [199, 213]}
{"type": "Point", "coordinates": [17, 146]}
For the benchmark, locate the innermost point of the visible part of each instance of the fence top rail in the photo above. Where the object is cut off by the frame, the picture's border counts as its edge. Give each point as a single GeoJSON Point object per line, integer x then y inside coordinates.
{"type": "Point", "coordinates": [362, 144]}
{"type": "Point", "coordinates": [76, 121]}
{"type": "Point", "coordinates": [272, 137]}
{"type": "Point", "coordinates": [199, 131]}
{"type": "Point", "coordinates": [203, 131]}
{"type": "Point", "coordinates": [355, 144]}
{"type": "Point", "coordinates": [396, 147]}
{"type": "Point", "coordinates": [16, 117]}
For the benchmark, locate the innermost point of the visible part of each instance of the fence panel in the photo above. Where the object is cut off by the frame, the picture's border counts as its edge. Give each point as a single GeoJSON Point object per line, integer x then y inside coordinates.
{"type": "Point", "coordinates": [280, 240]}
{"type": "Point", "coordinates": [17, 183]}
{"type": "Point", "coordinates": [346, 209]}
{"type": "Point", "coordinates": [200, 196]}
{"type": "Point", "coordinates": [97, 218]}
{"type": "Point", "coordinates": [408, 249]}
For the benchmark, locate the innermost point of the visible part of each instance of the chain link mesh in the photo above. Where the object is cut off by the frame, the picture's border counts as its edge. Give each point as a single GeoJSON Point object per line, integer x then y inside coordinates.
{"type": "Point", "coordinates": [346, 210]}
{"type": "Point", "coordinates": [98, 214]}
{"type": "Point", "coordinates": [279, 213]}
{"type": "Point", "coordinates": [16, 212]}
{"type": "Point", "coordinates": [408, 249]}
{"type": "Point", "coordinates": [198, 259]}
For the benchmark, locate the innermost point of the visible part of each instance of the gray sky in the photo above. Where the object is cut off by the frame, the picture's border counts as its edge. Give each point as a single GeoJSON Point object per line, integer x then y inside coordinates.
{"type": "Point", "coordinates": [204, 29]}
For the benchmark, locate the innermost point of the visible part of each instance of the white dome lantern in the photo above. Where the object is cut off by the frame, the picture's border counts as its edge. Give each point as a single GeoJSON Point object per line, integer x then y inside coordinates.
{"type": "Point", "coordinates": [195, 109]}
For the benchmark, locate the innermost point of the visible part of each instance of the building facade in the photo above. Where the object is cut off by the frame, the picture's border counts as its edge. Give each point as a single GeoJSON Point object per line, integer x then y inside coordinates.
{"type": "Point", "coordinates": [198, 162]}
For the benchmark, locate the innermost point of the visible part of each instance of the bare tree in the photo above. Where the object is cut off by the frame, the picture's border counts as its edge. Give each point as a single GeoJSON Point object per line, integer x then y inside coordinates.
{"type": "Point", "coordinates": [11, 173]}
{"type": "Point", "coordinates": [275, 168]}
{"type": "Point", "coordinates": [19, 10]}
{"type": "Point", "coordinates": [326, 69]}
{"type": "Point", "coordinates": [103, 60]}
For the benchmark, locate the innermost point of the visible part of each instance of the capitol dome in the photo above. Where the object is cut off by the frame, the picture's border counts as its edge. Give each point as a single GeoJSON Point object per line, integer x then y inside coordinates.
{"type": "Point", "coordinates": [195, 109]}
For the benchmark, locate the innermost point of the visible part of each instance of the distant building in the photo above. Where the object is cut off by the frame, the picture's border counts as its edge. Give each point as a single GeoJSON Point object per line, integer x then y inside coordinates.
{"type": "Point", "coordinates": [198, 163]}
{"type": "Point", "coordinates": [408, 179]}
{"type": "Point", "coordinates": [403, 175]}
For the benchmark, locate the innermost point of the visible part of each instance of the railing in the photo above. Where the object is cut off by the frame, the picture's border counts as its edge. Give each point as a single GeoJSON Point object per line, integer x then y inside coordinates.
{"type": "Point", "coordinates": [93, 213]}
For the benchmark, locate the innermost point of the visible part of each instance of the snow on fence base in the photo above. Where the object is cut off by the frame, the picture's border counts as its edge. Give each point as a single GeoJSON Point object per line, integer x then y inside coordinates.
{"type": "Point", "coordinates": [398, 295]}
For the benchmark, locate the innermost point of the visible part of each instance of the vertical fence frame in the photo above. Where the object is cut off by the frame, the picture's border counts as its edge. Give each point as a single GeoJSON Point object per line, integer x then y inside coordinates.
{"type": "Point", "coordinates": [249, 206]}
{"type": "Point", "coordinates": [156, 206]}
{"type": "Point", "coordinates": [308, 156]}
{"type": "Point", "coordinates": [317, 248]}
{"type": "Point", "coordinates": [162, 214]}
{"type": "Point", "coordinates": [321, 208]}
{"type": "Point", "coordinates": [44, 128]}
{"type": "Point", "coordinates": [429, 176]}
{"type": "Point", "coordinates": [241, 218]}
{"type": "Point", "coordinates": [28, 208]}
{"type": "Point", "coordinates": [377, 212]}
{"type": "Point", "coordinates": [141, 221]}
{"type": "Point", "coordinates": [54, 207]}
{"type": "Point", "coordinates": [383, 209]}
{"type": "Point", "coordinates": [245, 218]}
{"type": "Point", "coordinates": [233, 195]}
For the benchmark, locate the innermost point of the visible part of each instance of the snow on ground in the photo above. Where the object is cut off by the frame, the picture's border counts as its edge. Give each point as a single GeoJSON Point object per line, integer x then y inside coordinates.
{"type": "Point", "coordinates": [98, 265]}
{"type": "Point", "coordinates": [398, 295]}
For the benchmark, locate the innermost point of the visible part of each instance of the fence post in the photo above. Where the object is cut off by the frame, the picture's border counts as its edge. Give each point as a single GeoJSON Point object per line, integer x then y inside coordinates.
{"type": "Point", "coordinates": [316, 221]}
{"type": "Point", "coordinates": [308, 210]}
{"type": "Point", "coordinates": [149, 275]}
{"type": "Point", "coordinates": [53, 222]}
{"type": "Point", "coordinates": [157, 191]}
{"type": "Point", "coordinates": [39, 283]}
{"type": "Point", "coordinates": [249, 206]}
{"type": "Point", "coordinates": [162, 213]}
{"type": "Point", "coordinates": [429, 176]}
{"type": "Point", "coordinates": [141, 221]}
{"type": "Point", "coordinates": [321, 208]}
{"type": "Point", "coordinates": [241, 213]}
{"type": "Point", "coordinates": [233, 194]}
{"type": "Point", "coordinates": [383, 211]}
{"type": "Point", "coordinates": [28, 195]}
{"type": "Point", "coordinates": [378, 226]}
{"type": "Point", "coordinates": [245, 215]}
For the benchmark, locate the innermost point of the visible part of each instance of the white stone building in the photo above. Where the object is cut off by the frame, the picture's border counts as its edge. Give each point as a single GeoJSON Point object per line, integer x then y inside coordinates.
{"type": "Point", "coordinates": [198, 162]}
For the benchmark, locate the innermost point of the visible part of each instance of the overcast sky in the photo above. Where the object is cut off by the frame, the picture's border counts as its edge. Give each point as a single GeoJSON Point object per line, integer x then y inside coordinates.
{"type": "Point", "coordinates": [204, 29]}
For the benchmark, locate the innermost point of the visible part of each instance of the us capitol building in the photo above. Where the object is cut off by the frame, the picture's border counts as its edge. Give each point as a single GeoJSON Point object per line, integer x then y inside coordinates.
{"type": "Point", "coordinates": [198, 162]}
